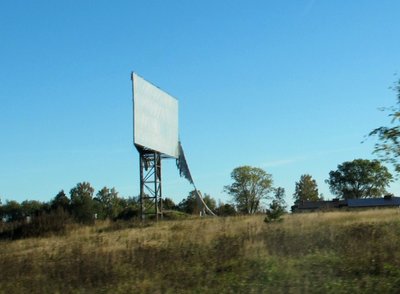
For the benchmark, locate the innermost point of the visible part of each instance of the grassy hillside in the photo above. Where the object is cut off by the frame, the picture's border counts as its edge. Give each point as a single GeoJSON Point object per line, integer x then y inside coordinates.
{"type": "Point", "coordinates": [338, 252]}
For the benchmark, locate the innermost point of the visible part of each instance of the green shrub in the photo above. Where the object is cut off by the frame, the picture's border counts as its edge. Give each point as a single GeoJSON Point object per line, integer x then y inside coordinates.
{"type": "Point", "coordinates": [45, 224]}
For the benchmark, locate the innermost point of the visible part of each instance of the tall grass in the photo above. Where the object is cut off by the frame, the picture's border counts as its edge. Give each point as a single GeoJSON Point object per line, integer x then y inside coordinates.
{"type": "Point", "coordinates": [337, 252]}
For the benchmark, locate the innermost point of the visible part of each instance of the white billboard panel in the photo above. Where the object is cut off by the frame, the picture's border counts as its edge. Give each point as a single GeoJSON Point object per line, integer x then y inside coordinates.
{"type": "Point", "coordinates": [155, 118]}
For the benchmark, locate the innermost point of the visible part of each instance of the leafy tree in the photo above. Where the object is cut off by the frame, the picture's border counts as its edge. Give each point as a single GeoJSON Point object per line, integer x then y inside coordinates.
{"type": "Point", "coordinates": [12, 211]}
{"type": "Point", "coordinates": [306, 189]}
{"type": "Point", "coordinates": [31, 207]}
{"type": "Point", "coordinates": [360, 178]}
{"type": "Point", "coordinates": [279, 195]}
{"type": "Point", "coordinates": [82, 202]}
{"type": "Point", "coordinates": [110, 204]}
{"type": "Point", "coordinates": [209, 201]}
{"type": "Point", "coordinates": [168, 204]}
{"type": "Point", "coordinates": [225, 209]}
{"type": "Point", "coordinates": [130, 208]}
{"type": "Point", "coordinates": [61, 201]}
{"type": "Point", "coordinates": [388, 145]}
{"type": "Point", "coordinates": [189, 204]}
{"type": "Point", "coordinates": [277, 207]}
{"type": "Point", "coordinates": [251, 185]}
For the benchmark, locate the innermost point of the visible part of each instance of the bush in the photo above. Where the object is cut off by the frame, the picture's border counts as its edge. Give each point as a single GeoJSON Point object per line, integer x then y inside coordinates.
{"type": "Point", "coordinates": [275, 212]}
{"type": "Point", "coordinates": [128, 213]}
{"type": "Point", "coordinates": [44, 225]}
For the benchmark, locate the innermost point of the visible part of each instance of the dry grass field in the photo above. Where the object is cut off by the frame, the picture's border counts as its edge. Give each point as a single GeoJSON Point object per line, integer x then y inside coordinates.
{"type": "Point", "coordinates": [335, 252]}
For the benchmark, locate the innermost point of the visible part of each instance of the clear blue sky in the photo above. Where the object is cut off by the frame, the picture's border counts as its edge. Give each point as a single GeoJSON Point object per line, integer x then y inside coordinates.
{"type": "Point", "coordinates": [289, 86]}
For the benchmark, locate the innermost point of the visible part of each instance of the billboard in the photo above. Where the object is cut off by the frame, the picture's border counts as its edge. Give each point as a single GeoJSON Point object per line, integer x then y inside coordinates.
{"type": "Point", "coordinates": [155, 118]}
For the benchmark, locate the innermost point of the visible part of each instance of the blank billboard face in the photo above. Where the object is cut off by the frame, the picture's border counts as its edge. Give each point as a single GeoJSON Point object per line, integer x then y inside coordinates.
{"type": "Point", "coordinates": [155, 118]}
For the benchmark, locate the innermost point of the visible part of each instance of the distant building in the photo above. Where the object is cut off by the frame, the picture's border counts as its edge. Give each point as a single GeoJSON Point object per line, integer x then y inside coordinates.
{"type": "Point", "coordinates": [387, 201]}
{"type": "Point", "coordinates": [308, 206]}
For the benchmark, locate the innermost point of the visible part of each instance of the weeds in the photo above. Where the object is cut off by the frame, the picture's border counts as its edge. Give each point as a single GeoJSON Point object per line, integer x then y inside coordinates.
{"type": "Point", "coordinates": [347, 252]}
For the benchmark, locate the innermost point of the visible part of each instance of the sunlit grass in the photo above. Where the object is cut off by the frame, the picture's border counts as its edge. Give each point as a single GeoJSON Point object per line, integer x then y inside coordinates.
{"type": "Point", "coordinates": [335, 252]}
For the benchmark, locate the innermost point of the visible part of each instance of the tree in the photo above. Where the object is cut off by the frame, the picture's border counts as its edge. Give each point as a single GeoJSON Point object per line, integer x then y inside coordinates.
{"type": "Point", "coordinates": [388, 145]}
{"type": "Point", "coordinates": [360, 178]}
{"type": "Point", "coordinates": [225, 209]}
{"type": "Point", "coordinates": [189, 204]}
{"type": "Point", "coordinates": [110, 205]}
{"type": "Point", "coordinates": [251, 185]}
{"type": "Point", "coordinates": [61, 201]}
{"type": "Point", "coordinates": [279, 195]}
{"type": "Point", "coordinates": [306, 189]}
{"type": "Point", "coordinates": [130, 208]}
{"type": "Point", "coordinates": [82, 202]}
{"type": "Point", "coordinates": [168, 204]}
{"type": "Point", "coordinates": [277, 207]}
{"type": "Point", "coordinates": [32, 207]}
{"type": "Point", "coordinates": [12, 211]}
{"type": "Point", "coordinates": [209, 201]}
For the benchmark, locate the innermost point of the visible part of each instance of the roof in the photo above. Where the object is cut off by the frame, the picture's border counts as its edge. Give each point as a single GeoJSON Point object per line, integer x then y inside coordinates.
{"type": "Point", "coordinates": [387, 201]}
{"type": "Point", "coordinates": [319, 204]}
{"type": "Point", "coordinates": [373, 202]}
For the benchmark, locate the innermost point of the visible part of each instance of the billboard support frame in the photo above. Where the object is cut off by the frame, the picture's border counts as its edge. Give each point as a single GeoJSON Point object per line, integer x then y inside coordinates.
{"type": "Point", "coordinates": [150, 183]}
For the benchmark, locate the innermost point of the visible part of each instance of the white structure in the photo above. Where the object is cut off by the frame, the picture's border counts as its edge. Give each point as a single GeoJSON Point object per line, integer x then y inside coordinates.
{"type": "Point", "coordinates": [155, 118]}
{"type": "Point", "coordinates": [156, 136]}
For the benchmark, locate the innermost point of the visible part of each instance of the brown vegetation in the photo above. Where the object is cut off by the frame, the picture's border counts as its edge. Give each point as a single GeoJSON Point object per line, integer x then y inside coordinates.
{"type": "Point", "coordinates": [337, 252]}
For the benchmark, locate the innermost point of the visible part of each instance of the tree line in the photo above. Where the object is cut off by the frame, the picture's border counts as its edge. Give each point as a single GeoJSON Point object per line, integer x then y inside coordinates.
{"type": "Point", "coordinates": [251, 187]}
{"type": "Point", "coordinates": [82, 205]}
{"type": "Point", "coordinates": [359, 178]}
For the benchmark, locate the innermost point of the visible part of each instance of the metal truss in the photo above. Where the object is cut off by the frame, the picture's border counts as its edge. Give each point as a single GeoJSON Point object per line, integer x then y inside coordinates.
{"type": "Point", "coordinates": [150, 184]}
